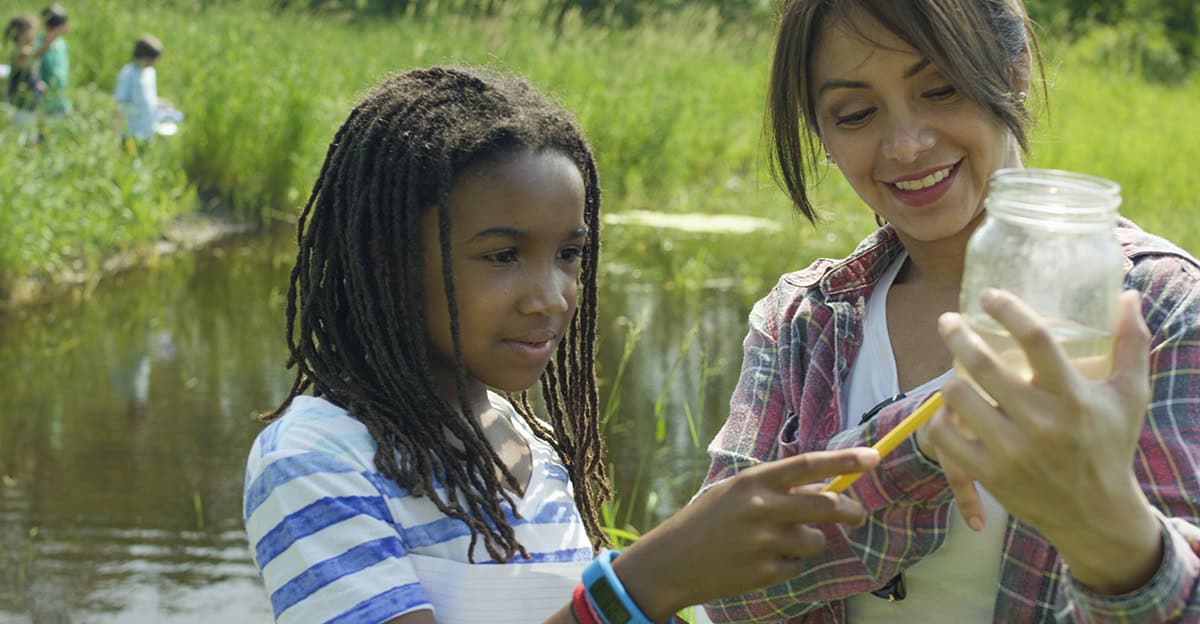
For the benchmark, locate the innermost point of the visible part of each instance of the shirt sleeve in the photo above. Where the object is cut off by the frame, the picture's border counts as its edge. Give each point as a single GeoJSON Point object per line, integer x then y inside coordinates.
{"type": "Point", "coordinates": [323, 539]}
{"type": "Point", "coordinates": [152, 89]}
{"type": "Point", "coordinates": [906, 497]}
{"type": "Point", "coordinates": [1167, 464]}
{"type": "Point", "coordinates": [757, 407]}
{"type": "Point", "coordinates": [54, 64]}
{"type": "Point", "coordinates": [123, 91]}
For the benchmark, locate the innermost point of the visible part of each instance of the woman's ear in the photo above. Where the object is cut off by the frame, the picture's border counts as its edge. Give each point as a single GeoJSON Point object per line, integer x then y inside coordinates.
{"type": "Point", "coordinates": [1019, 73]}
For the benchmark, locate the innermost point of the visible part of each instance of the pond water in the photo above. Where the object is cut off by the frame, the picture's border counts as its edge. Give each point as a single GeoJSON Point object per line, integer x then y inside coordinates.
{"type": "Point", "coordinates": [125, 421]}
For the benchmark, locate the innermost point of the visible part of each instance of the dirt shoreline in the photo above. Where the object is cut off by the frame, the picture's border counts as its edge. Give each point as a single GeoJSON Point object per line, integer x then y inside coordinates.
{"type": "Point", "coordinates": [183, 234]}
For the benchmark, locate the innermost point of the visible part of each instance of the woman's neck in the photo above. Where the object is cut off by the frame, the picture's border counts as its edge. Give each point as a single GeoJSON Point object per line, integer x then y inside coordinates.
{"type": "Point", "coordinates": [937, 265]}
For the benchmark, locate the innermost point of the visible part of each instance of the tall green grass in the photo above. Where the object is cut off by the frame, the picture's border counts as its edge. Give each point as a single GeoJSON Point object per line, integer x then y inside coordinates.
{"type": "Point", "coordinates": [67, 205]}
{"type": "Point", "coordinates": [1143, 135]}
{"type": "Point", "coordinates": [673, 107]}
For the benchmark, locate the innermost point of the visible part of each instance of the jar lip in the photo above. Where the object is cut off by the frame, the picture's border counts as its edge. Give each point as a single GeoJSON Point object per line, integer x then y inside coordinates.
{"type": "Point", "coordinates": [1053, 194]}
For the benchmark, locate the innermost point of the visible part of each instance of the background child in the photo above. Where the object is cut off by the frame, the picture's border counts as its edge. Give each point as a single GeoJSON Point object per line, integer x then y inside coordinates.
{"type": "Point", "coordinates": [55, 65]}
{"type": "Point", "coordinates": [137, 90]}
{"type": "Point", "coordinates": [447, 263]}
{"type": "Point", "coordinates": [23, 90]}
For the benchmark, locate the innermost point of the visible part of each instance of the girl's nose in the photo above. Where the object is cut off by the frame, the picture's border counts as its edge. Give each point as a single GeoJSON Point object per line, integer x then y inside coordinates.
{"type": "Point", "coordinates": [547, 292]}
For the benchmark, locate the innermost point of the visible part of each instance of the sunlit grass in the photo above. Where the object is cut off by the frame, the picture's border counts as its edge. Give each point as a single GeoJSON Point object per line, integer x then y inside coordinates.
{"type": "Point", "coordinates": [673, 108]}
{"type": "Point", "coordinates": [79, 197]}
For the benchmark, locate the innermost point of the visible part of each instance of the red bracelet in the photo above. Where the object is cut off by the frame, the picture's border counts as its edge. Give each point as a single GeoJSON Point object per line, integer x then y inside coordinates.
{"type": "Point", "coordinates": [581, 607]}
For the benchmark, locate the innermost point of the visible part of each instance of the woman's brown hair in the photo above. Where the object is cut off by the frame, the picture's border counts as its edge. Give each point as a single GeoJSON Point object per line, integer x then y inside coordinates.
{"type": "Point", "coordinates": [977, 44]}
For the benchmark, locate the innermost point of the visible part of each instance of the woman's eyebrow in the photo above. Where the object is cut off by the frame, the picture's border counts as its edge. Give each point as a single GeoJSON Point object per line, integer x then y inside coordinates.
{"type": "Point", "coordinates": [916, 68]}
{"type": "Point", "coordinates": [856, 84]}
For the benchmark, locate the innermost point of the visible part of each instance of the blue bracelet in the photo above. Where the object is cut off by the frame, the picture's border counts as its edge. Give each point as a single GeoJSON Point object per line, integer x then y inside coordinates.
{"type": "Point", "coordinates": [607, 595]}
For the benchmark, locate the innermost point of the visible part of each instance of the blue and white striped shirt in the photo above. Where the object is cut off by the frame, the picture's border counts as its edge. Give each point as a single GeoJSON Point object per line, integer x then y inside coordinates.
{"type": "Point", "coordinates": [331, 536]}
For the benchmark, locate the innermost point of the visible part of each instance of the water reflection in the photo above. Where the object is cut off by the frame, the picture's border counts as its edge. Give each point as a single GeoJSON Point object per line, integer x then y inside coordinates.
{"type": "Point", "coordinates": [125, 422]}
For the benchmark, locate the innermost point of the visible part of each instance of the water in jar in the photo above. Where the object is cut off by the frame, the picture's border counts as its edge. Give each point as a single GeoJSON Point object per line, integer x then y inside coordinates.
{"type": "Point", "coordinates": [1088, 349]}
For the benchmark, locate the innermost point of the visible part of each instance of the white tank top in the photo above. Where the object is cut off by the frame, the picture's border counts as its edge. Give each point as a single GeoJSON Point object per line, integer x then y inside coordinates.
{"type": "Point", "coordinates": [957, 583]}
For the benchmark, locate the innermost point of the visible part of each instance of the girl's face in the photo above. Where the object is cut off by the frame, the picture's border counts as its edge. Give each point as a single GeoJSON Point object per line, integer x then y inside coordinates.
{"type": "Point", "coordinates": [914, 149]}
{"type": "Point", "coordinates": [517, 234]}
{"type": "Point", "coordinates": [24, 37]}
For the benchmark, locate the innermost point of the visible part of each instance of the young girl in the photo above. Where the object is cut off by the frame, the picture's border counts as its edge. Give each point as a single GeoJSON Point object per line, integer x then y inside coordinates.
{"type": "Point", "coordinates": [23, 90]}
{"type": "Point", "coordinates": [1087, 509]}
{"type": "Point", "coordinates": [137, 92]}
{"type": "Point", "coordinates": [447, 263]}
{"type": "Point", "coordinates": [55, 61]}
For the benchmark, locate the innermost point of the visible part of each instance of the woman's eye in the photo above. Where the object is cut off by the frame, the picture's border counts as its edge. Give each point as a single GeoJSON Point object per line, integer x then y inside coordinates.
{"type": "Point", "coordinates": [856, 118]}
{"type": "Point", "coordinates": [571, 254]}
{"type": "Point", "coordinates": [502, 257]}
{"type": "Point", "coordinates": [943, 93]}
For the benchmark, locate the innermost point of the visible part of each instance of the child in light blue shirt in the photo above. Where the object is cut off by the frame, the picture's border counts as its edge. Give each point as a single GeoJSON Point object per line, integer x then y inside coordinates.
{"type": "Point", "coordinates": [137, 89]}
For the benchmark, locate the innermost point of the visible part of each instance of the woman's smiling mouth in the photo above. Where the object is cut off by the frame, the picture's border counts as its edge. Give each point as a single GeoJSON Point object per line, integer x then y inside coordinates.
{"type": "Point", "coordinates": [926, 189]}
{"type": "Point", "coordinates": [925, 182]}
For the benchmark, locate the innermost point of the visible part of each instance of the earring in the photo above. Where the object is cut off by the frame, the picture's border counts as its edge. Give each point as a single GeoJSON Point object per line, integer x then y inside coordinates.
{"type": "Point", "coordinates": [1021, 97]}
{"type": "Point", "coordinates": [829, 159]}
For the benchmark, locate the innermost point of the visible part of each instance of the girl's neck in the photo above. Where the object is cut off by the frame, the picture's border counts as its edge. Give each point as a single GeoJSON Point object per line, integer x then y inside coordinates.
{"type": "Point", "coordinates": [475, 395]}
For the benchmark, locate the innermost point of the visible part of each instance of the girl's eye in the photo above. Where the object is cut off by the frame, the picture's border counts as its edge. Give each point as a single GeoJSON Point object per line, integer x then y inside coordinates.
{"type": "Point", "coordinates": [943, 93]}
{"type": "Point", "coordinates": [854, 119]}
{"type": "Point", "coordinates": [503, 256]}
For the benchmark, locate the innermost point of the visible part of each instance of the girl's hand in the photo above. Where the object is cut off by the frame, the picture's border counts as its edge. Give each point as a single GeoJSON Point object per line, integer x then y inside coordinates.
{"type": "Point", "coordinates": [1057, 449]}
{"type": "Point", "coordinates": [744, 533]}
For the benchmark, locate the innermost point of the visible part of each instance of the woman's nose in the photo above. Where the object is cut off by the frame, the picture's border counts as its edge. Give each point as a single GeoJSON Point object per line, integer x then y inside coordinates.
{"type": "Point", "coordinates": [907, 139]}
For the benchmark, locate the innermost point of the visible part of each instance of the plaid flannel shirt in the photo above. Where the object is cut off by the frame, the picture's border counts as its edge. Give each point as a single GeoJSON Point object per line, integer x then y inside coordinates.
{"type": "Point", "coordinates": [803, 337]}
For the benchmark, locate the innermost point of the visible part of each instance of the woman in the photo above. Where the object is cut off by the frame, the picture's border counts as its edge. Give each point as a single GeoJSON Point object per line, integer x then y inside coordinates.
{"type": "Point", "coordinates": [1086, 504]}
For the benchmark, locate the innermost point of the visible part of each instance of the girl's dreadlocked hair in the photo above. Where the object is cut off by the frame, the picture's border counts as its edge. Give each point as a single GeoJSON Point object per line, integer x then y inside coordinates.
{"type": "Point", "coordinates": [355, 323]}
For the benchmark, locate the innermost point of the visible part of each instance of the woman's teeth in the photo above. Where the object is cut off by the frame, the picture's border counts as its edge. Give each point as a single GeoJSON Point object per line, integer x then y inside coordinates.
{"type": "Point", "coordinates": [925, 182]}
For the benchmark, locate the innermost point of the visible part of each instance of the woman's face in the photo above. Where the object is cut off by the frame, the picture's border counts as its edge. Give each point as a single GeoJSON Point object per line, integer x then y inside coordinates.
{"type": "Point", "coordinates": [916, 150]}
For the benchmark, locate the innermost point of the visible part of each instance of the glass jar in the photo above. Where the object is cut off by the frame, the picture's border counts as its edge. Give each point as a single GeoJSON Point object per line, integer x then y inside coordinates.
{"type": "Point", "coordinates": [1049, 238]}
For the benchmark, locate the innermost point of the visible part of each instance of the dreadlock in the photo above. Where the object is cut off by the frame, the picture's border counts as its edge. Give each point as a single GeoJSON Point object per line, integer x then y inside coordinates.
{"type": "Point", "coordinates": [355, 319]}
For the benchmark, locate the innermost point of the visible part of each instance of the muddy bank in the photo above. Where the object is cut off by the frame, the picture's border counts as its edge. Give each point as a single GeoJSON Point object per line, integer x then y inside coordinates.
{"type": "Point", "coordinates": [185, 233]}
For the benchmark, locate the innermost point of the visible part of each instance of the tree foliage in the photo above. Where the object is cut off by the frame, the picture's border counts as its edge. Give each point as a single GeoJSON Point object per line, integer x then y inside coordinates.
{"type": "Point", "coordinates": [1157, 38]}
{"type": "Point", "coordinates": [608, 12]}
{"type": "Point", "coordinates": [1160, 38]}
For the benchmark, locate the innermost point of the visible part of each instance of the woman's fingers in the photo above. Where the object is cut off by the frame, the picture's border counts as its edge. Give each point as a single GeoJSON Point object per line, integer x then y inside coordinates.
{"type": "Point", "coordinates": [972, 355]}
{"type": "Point", "coordinates": [1048, 362]}
{"type": "Point", "coordinates": [966, 496]}
{"type": "Point", "coordinates": [966, 443]}
{"type": "Point", "coordinates": [1131, 350]}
